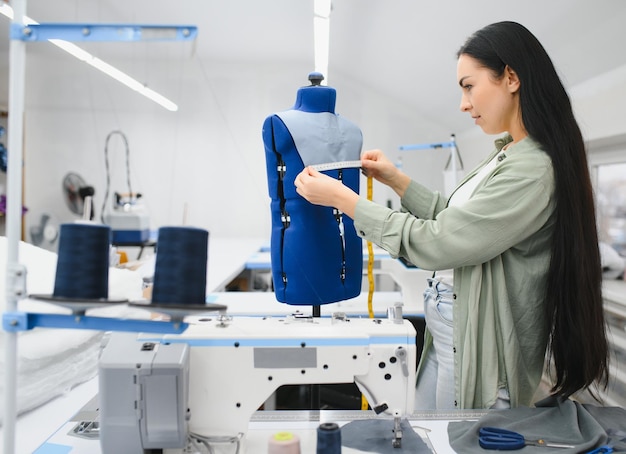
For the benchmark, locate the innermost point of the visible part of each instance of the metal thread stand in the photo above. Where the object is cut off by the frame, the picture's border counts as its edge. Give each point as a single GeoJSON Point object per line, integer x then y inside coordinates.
{"type": "Point", "coordinates": [454, 159]}
{"type": "Point", "coordinates": [13, 322]}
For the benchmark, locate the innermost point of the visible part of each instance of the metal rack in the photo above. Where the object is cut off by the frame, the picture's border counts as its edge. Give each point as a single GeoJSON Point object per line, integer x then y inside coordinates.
{"type": "Point", "coordinates": [13, 321]}
{"type": "Point", "coordinates": [453, 166]}
{"type": "Point", "coordinates": [615, 314]}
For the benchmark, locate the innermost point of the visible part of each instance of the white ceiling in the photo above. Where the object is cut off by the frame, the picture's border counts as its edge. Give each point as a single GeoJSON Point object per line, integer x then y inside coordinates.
{"type": "Point", "coordinates": [402, 48]}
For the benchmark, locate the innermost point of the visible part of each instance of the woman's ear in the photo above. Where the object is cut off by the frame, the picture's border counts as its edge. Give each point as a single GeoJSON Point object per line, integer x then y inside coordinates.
{"type": "Point", "coordinates": [513, 82]}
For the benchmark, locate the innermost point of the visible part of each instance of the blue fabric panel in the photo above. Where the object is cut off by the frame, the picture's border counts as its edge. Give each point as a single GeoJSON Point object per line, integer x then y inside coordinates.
{"type": "Point", "coordinates": [312, 255]}
{"type": "Point", "coordinates": [307, 255]}
{"type": "Point", "coordinates": [323, 137]}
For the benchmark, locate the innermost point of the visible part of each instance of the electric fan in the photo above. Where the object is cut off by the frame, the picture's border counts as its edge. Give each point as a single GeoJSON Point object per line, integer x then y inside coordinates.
{"type": "Point", "coordinates": [74, 191]}
{"type": "Point", "coordinates": [46, 234]}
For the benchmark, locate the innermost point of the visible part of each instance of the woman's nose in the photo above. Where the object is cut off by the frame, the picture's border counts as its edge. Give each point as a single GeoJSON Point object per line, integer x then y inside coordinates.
{"type": "Point", "coordinates": [465, 104]}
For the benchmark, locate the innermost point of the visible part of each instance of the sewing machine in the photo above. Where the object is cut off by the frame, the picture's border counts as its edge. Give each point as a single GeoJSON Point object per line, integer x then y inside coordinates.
{"type": "Point", "coordinates": [129, 220]}
{"type": "Point", "coordinates": [203, 386]}
{"type": "Point", "coordinates": [411, 280]}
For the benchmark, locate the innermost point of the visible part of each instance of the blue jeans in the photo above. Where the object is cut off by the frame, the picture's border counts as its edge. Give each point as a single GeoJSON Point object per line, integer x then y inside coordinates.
{"type": "Point", "coordinates": [435, 386]}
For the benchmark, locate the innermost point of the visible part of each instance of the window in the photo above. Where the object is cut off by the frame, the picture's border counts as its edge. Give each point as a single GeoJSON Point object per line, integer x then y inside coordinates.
{"type": "Point", "coordinates": [611, 204]}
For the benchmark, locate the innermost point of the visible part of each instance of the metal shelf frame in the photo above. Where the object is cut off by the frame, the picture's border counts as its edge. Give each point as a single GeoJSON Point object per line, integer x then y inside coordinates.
{"type": "Point", "coordinates": [13, 320]}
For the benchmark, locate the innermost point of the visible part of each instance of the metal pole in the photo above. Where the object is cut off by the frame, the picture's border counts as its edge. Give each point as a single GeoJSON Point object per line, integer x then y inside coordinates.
{"type": "Point", "coordinates": [17, 57]}
{"type": "Point", "coordinates": [453, 153]}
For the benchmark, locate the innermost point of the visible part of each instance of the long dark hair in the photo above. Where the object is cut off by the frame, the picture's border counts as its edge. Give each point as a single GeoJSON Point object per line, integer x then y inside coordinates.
{"type": "Point", "coordinates": [574, 312]}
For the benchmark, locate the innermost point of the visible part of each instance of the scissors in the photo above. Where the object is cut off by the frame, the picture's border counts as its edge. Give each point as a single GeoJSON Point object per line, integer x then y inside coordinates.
{"type": "Point", "coordinates": [507, 440]}
{"type": "Point", "coordinates": [602, 449]}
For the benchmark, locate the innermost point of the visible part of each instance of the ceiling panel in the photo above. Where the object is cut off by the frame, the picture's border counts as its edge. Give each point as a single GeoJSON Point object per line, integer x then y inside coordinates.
{"type": "Point", "coordinates": [403, 48]}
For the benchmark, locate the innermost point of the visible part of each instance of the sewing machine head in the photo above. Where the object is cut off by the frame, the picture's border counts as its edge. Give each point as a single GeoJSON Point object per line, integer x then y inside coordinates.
{"type": "Point", "coordinates": [236, 364]}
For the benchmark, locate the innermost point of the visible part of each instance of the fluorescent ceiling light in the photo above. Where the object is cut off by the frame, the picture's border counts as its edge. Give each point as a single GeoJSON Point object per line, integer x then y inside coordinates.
{"type": "Point", "coordinates": [115, 73]}
{"type": "Point", "coordinates": [321, 35]}
{"type": "Point", "coordinates": [101, 65]}
{"type": "Point", "coordinates": [322, 8]}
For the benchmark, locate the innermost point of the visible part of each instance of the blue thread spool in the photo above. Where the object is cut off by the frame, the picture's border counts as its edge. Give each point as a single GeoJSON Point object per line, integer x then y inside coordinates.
{"type": "Point", "coordinates": [181, 266]}
{"type": "Point", "coordinates": [328, 438]}
{"type": "Point", "coordinates": [83, 262]}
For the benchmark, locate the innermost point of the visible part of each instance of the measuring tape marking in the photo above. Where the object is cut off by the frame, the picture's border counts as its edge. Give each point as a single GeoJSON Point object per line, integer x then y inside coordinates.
{"type": "Point", "coordinates": [350, 415]}
{"type": "Point", "coordinates": [336, 165]}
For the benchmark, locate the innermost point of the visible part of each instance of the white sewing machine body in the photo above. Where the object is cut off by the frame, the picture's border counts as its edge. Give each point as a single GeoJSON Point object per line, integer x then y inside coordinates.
{"type": "Point", "coordinates": [236, 364]}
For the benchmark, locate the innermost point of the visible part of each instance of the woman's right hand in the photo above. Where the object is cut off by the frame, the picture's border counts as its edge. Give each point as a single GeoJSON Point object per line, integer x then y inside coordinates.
{"type": "Point", "coordinates": [375, 164]}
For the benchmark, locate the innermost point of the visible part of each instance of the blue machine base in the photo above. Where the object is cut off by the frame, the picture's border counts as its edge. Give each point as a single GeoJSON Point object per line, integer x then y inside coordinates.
{"type": "Point", "coordinates": [130, 236]}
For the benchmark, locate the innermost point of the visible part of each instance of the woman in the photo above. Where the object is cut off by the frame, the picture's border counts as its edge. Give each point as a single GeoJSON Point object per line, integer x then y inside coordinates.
{"type": "Point", "coordinates": [519, 234]}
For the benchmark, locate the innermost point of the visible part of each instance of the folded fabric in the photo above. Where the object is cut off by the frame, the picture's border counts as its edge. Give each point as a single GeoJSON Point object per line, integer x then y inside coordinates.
{"type": "Point", "coordinates": [560, 421]}
{"type": "Point", "coordinates": [51, 362]}
{"type": "Point", "coordinates": [376, 435]}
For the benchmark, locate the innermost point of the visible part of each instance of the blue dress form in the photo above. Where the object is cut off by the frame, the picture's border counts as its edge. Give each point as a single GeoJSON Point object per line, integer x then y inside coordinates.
{"type": "Point", "coordinates": [317, 257]}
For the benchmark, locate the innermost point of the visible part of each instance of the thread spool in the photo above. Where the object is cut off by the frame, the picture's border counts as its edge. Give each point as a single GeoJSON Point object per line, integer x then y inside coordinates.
{"type": "Point", "coordinates": [283, 443]}
{"type": "Point", "coordinates": [181, 266]}
{"type": "Point", "coordinates": [83, 262]}
{"type": "Point", "coordinates": [328, 438]}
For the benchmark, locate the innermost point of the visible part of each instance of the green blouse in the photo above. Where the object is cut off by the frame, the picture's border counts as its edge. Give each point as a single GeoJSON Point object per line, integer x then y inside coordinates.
{"type": "Point", "coordinates": [498, 243]}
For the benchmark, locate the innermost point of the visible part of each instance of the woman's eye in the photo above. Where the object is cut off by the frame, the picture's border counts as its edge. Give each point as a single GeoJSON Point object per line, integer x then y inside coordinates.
{"type": "Point", "coordinates": [467, 87]}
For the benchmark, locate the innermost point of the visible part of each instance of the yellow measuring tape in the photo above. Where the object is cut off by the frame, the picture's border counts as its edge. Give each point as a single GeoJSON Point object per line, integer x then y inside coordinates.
{"type": "Point", "coordinates": [370, 258]}
{"type": "Point", "coordinates": [370, 276]}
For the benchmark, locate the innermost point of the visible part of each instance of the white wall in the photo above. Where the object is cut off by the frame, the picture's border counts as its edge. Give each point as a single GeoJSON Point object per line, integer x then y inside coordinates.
{"type": "Point", "coordinates": [208, 156]}
{"type": "Point", "coordinates": [387, 124]}
{"type": "Point", "coordinates": [599, 108]}
{"type": "Point", "coordinates": [599, 105]}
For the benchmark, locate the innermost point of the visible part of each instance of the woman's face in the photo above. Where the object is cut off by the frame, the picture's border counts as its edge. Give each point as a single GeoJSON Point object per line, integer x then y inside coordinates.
{"type": "Point", "coordinates": [492, 103]}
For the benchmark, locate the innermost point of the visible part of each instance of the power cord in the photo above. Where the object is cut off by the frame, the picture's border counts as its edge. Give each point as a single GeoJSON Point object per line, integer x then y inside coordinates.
{"type": "Point", "coordinates": [108, 172]}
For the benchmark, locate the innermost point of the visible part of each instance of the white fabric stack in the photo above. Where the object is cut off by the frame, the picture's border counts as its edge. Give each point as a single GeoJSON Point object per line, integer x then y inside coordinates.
{"type": "Point", "coordinates": [53, 361]}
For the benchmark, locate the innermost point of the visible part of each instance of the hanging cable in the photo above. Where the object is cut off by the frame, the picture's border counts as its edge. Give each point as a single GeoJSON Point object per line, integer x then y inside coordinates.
{"type": "Point", "coordinates": [108, 172]}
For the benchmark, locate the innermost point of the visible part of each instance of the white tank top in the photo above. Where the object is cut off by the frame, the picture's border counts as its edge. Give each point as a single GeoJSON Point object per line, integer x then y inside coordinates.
{"type": "Point", "coordinates": [461, 195]}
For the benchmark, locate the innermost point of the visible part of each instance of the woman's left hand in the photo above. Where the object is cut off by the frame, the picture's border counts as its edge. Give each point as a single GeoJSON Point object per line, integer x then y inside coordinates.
{"type": "Point", "coordinates": [317, 188]}
{"type": "Point", "coordinates": [320, 189]}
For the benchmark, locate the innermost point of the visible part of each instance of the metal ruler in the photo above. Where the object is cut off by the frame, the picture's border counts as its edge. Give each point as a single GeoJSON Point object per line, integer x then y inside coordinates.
{"type": "Point", "coordinates": [311, 418]}
{"type": "Point", "coordinates": [351, 415]}
{"type": "Point", "coordinates": [337, 165]}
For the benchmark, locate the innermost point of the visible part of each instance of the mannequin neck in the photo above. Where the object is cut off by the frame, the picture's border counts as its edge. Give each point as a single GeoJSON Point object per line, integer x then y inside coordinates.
{"type": "Point", "coordinates": [316, 98]}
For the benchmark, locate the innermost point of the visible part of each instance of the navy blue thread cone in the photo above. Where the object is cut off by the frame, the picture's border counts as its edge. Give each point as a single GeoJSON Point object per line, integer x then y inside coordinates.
{"type": "Point", "coordinates": [83, 262]}
{"type": "Point", "coordinates": [328, 438]}
{"type": "Point", "coordinates": [181, 266]}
